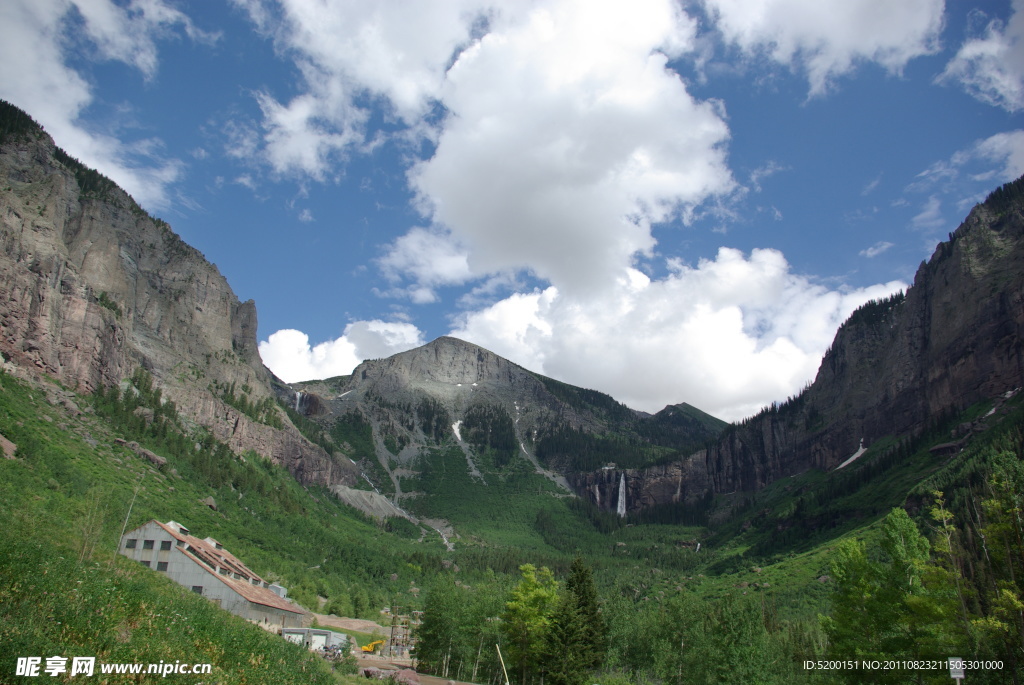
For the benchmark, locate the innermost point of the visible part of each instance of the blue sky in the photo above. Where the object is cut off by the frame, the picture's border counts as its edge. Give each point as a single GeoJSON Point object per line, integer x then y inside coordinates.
{"type": "Point", "coordinates": [666, 201]}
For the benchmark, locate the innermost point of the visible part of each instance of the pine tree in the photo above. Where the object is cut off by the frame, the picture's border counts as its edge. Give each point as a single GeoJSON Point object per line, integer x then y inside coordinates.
{"type": "Point", "coordinates": [564, 652]}
{"type": "Point", "coordinates": [594, 632]}
{"type": "Point", "coordinates": [1001, 628]}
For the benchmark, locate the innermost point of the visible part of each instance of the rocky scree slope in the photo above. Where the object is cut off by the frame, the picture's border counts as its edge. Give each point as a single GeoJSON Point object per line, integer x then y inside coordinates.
{"type": "Point", "coordinates": [92, 287]}
{"type": "Point", "coordinates": [895, 368]}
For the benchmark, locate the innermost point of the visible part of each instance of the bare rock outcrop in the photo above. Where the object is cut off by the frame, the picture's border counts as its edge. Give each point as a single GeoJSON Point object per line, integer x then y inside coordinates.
{"type": "Point", "coordinates": [895, 367]}
{"type": "Point", "coordinates": [458, 374]}
{"type": "Point", "coordinates": [637, 489]}
{"type": "Point", "coordinates": [898, 366]}
{"type": "Point", "coordinates": [92, 287]}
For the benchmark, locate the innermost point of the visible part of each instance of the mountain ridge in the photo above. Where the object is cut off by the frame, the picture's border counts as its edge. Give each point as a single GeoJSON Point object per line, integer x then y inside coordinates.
{"type": "Point", "coordinates": [95, 288]}
{"type": "Point", "coordinates": [98, 288]}
{"type": "Point", "coordinates": [896, 367]}
{"type": "Point", "coordinates": [452, 392]}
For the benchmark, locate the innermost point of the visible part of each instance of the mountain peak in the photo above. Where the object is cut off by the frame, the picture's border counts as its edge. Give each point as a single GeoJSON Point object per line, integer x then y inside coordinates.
{"type": "Point", "coordinates": [450, 342]}
{"type": "Point", "coordinates": [443, 361]}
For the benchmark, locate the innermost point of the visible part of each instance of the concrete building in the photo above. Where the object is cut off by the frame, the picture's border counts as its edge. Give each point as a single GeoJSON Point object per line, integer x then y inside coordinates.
{"type": "Point", "coordinates": [208, 569]}
{"type": "Point", "coordinates": [316, 638]}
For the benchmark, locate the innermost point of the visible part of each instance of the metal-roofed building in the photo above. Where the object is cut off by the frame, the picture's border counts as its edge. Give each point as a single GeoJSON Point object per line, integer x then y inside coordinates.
{"type": "Point", "coordinates": [208, 569]}
{"type": "Point", "coordinates": [316, 638]}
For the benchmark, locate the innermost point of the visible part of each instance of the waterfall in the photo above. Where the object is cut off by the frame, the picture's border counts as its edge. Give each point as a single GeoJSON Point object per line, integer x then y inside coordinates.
{"type": "Point", "coordinates": [621, 508]}
{"type": "Point", "coordinates": [298, 401]}
{"type": "Point", "coordinates": [367, 479]}
{"type": "Point", "coordinates": [597, 495]}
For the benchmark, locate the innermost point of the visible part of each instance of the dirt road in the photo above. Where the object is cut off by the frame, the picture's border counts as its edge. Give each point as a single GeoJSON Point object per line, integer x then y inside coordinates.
{"type": "Point", "coordinates": [356, 624]}
{"type": "Point", "coordinates": [386, 664]}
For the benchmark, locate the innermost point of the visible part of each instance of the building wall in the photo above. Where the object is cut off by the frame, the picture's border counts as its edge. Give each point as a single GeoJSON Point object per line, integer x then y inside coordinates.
{"type": "Point", "coordinates": [190, 574]}
{"type": "Point", "coordinates": [156, 553]}
{"type": "Point", "coordinates": [315, 638]}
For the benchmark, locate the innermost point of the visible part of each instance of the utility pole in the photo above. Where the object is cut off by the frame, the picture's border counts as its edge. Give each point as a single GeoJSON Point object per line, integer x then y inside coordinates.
{"type": "Point", "coordinates": [138, 486]}
{"type": "Point", "coordinates": [394, 617]}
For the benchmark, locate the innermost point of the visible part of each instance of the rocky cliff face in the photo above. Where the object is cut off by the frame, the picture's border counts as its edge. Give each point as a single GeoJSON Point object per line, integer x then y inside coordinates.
{"type": "Point", "coordinates": [894, 368]}
{"type": "Point", "coordinates": [451, 392]}
{"type": "Point", "coordinates": [419, 399]}
{"type": "Point", "coordinates": [91, 288]}
{"type": "Point", "coordinates": [458, 375]}
{"type": "Point", "coordinates": [450, 370]}
{"type": "Point", "coordinates": [627, 491]}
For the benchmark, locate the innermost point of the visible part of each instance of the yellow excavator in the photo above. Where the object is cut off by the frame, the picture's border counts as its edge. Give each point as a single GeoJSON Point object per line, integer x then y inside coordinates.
{"type": "Point", "coordinates": [372, 646]}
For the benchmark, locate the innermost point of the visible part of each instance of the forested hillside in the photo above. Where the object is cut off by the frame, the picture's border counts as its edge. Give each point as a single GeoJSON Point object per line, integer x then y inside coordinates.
{"type": "Point", "coordinates": [877, 515]}
{"type": "Point", "coordinates": [944, 580]}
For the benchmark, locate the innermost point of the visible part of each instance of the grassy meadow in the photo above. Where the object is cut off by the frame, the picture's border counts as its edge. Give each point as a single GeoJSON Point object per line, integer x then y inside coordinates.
{"type": "Point", "coordinates": [764, 572]}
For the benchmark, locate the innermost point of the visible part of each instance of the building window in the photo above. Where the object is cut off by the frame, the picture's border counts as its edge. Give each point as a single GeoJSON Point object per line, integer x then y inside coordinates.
{"type": "Point", "coordinates": [147, 544]}
{"type": "Point", "coordinates": [165, 545]}
{"type": "Point", "coordinates": [161, 566]}
{"type": "Point", "coordinates": [180, 543]}
{"type": "Point", "coordinates": [145, 563]}
{"type": "Point", "coordinates": [130, 543]}
{"type": "Point", "coordinates": [198, 589]}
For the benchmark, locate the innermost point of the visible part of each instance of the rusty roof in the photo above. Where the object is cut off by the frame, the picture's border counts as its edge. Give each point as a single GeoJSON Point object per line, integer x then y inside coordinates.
{"type": "Point", "coordinates": [211, 559]}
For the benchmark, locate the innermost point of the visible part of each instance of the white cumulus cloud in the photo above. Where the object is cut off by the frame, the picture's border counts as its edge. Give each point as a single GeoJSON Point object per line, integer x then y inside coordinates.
{"type": "Point", "coordinates": [431, 258]}
{"type": "Point", "coordinates": [728, 335]}
{"type": "Point", "coordinates": [290, 356]}
{"type": "Point", "coordinates": [353, 55]}
{"type": "Point", "coordinates": [35, 76]}
{"type": "Point", "coordinates": [561, 135]}
{"type": "Point", "coordinates": [876, 249]}
{"type": "Point", "coordinates": [308, 133]}
{"type": "Point", "coordinates": [567, 139]}
{"type": "Point", "coordinates": [990, 65]}
{"type": "Point", "coordinates": [828, 39]}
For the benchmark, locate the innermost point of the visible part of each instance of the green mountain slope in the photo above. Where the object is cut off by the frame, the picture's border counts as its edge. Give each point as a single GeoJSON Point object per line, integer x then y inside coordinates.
{"type": "Point", "coordinates": [393, 414]}
{"type": "Point", "coordinates": [718, 574]}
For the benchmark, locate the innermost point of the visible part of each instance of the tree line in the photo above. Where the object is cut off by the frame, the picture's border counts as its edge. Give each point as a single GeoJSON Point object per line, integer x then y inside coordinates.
{"type": "Point", "coordinates": [546, 631]}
